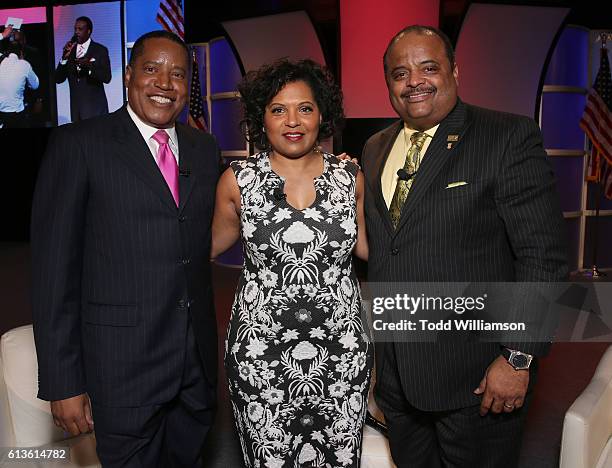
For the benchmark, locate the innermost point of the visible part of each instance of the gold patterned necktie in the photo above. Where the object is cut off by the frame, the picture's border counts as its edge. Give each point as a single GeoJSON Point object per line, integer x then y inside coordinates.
{"type": "Point", "coordinates": [417, 139]}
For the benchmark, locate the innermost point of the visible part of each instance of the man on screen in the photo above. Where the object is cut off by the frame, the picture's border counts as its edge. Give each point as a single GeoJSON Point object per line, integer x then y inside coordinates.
{"type": "Point", "coordinates": [456, 193]}
{"type": "Point", "coordinates": [86, 65]}
{"type": "Point", "coordinates": [122, 302]}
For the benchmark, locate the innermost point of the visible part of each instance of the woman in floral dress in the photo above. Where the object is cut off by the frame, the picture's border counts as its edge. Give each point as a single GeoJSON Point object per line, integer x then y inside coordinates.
{"type": "Point", "coordinates": [297, 357]}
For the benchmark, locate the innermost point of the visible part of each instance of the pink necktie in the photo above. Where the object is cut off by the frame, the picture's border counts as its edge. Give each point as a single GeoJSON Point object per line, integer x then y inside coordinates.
{"type": "Point", "coordinates": [167, 163]}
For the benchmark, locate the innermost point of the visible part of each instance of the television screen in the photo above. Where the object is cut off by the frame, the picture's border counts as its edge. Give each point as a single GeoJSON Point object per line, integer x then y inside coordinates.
{"type": "Point", "coordinates": [30, 35]}
{"type": "Point", "coordinates": [92, 84]}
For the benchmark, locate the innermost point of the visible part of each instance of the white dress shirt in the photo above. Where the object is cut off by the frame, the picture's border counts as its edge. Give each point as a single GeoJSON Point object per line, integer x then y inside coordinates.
{"type": "Point", "coordinates": [81, 50]}
{"type": "Point", "coordinates": [15, 74]}
{"type": "Point", "coordinates": [147, 133]}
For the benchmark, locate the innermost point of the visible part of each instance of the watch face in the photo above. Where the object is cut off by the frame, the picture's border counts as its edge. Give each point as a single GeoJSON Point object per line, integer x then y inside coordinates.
{"type": "Point", "coordinates": [519, 360]}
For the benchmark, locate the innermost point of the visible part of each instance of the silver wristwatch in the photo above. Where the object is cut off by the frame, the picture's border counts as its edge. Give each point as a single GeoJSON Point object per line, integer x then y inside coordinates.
{"type": "Point", "coordinates": [517, 359]}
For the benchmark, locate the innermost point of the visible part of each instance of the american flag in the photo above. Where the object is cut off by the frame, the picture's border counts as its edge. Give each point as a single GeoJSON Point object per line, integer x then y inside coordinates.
{"type": "Point", "coordinates": [197, 115]}
{"type": "Point", "coordinates": [596, 122]}
{"type": "Point", "coordinates": [170, 16]}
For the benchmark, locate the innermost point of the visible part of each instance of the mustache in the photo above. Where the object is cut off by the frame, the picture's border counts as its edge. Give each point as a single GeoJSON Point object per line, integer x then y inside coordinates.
{"type": "Point", "coordinates": [418, 90]}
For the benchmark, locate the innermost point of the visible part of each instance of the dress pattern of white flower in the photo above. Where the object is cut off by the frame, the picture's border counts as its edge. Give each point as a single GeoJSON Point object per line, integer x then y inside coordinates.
{"type": "Point", "coordinates": [297, 357]}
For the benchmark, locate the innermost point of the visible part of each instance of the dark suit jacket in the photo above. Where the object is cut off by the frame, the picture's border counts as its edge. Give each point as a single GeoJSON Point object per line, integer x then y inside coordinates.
{"type": "Point", "coordinates": [117, 268]}
{"type": "Point", "coordinates": [87, 96]}
{"type": "Point", "coordinates": [505, 225]}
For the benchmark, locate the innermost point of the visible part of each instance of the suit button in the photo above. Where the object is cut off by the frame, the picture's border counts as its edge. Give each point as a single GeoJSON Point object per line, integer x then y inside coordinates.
{"type": "Point", "coordinates": [186, 261]}
{"type": "Point", "coordinates": [182, 303]}
{"type": "Point", "coordinates": [182, 219]}
{"type": "Point", "coordinates": [394, 251]}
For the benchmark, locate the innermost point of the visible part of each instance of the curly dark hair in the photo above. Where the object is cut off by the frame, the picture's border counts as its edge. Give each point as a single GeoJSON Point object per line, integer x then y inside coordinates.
{"type": "Point", "coordinates": [258, 88]}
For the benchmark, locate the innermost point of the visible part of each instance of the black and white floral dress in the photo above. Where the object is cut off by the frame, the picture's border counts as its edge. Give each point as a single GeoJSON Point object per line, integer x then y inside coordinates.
{"type": "Point", "coordinates": [297, 357]}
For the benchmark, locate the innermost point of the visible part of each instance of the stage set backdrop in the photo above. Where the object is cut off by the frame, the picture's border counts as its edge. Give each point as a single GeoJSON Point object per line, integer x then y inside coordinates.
{"type": "Point", "coordinates": [521, 59]}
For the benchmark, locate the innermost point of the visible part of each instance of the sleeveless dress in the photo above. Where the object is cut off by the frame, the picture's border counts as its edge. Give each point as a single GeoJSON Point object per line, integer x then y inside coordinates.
{"type": "Point", "coordinates": [297, 357]}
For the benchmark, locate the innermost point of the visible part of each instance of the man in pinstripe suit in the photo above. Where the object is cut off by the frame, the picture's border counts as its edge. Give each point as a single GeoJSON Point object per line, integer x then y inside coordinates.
{"type": "Point", "coordinates": [122, 303]}
{"type": "Point", "coordinates": [481, 206]}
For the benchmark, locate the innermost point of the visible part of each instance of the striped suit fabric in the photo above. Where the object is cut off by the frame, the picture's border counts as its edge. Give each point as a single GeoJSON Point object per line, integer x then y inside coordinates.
{"type": "Point", "coordinates": [121, 276]}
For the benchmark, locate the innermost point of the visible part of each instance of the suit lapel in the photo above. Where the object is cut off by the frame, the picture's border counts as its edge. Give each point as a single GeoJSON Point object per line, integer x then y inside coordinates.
{"type": "Point", "coordinates": [133, 150]}
{"type": "Point", "coordinates": [186, 158]}
{"type": "Point", "coordinates": [435, 159]}
{"type": "Point", "coordinates": [387, 139]}
{"type": "Point", "coordinates": [90, 50]}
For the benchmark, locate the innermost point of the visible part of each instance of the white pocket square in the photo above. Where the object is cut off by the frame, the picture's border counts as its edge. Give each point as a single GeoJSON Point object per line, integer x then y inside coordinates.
{"type": "Point", "coordinates": [455, 184]}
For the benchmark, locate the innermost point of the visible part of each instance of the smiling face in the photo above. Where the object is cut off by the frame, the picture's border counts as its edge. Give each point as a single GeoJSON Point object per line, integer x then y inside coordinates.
{"type": "Point", "coordinates": [81, 31]}
{"type": "Point", "coordinates": [422, 83]}
{"type": "Point", "coordinates": [157, 82]}
{"type": "Point", "coordinates": [292, 120]}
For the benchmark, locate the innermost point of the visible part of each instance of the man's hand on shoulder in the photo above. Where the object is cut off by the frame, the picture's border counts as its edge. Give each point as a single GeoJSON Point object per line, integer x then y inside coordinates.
{"type": "Point", "coordinates": [7, 31]}
{"type": "Point", "coordinates": [73, 414]}
{"type": "Point", "coordinates": [346, 157]}
{"type": "Point", "coordinates": [502, 388]}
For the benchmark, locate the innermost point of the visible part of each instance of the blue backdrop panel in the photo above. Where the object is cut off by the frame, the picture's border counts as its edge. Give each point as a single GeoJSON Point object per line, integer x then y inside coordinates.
{"type": "Point", "coordinates": [140, 18]}
{"type": "Point", "coordinates": [561, 113]}
{"type": "Point", "coordinates": [227, 114]}
{"type": "Point", "coordinates": [568, 64]}
{"type": "Point", "coordinates": [225, 67]}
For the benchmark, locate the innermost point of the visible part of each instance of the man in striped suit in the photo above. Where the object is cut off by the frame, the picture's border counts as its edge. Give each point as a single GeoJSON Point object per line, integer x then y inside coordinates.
{"type": "Point", "coordinates": [86, 65]}
{"type": "Point", "coordinates": [122, 303]}
{"type": "Point", "coordinates": [455, 193]}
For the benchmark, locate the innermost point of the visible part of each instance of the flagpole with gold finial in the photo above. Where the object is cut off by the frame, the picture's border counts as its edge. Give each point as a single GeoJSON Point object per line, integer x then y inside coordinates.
{"type": "Point", "coordinates": [594, 271]}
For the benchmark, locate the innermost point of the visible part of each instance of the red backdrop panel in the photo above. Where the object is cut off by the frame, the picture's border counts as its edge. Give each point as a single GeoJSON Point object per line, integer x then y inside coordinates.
{"type": "Point", "coordinates": [366, 26]}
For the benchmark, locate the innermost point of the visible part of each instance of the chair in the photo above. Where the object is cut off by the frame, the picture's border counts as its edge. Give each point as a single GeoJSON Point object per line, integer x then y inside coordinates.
{"type": "Point", "coordinates": [26, 421]}
{"type": "Point", "coordinates": [375, 451]}
{"type": "Point", "coordinates": [587, 429]}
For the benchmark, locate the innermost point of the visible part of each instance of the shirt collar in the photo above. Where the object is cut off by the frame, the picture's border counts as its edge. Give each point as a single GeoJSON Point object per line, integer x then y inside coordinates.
{"type": "Point", "coordinates": [409, 131]}
{"type": "Point", "coordinates": [85, 44]}
{"type": "Point", "coordinates": [147, 131]}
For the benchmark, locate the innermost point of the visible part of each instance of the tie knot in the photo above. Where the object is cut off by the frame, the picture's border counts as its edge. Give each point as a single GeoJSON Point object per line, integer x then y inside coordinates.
{"type": "Point", "coordinates": [161, 137]}
{"type": "Point", "coordinates": [418, 138]}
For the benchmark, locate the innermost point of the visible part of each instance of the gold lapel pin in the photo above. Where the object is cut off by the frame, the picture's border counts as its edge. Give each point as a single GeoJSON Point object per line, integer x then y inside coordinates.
{"type": "Point", "coordinates": [450, 139]}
